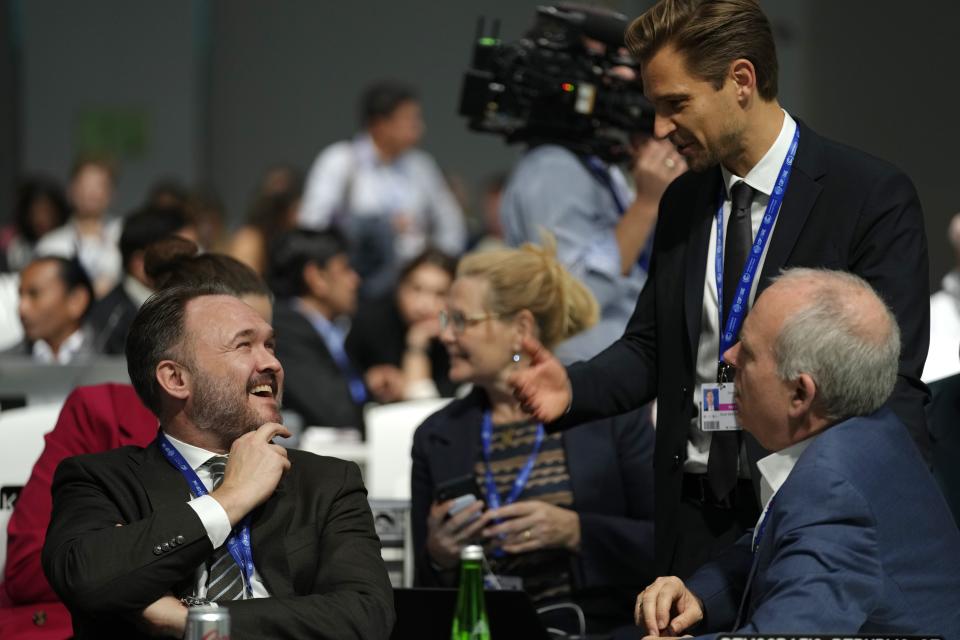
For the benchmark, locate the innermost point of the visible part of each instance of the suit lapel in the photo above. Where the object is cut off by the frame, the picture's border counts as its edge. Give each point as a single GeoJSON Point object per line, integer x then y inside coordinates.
{"type": "Point", "coordinates": [704, 209]}
{"type": "Point", "coordinates": [802, 193]}
{"type": "Point", "coordinates": [267, 534]}
{"type": "Point", "coordinates": [164, 485]}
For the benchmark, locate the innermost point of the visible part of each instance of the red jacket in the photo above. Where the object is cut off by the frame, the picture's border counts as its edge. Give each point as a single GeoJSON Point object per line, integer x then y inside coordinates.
{"type": "Point", "coordinates": [93, 419]}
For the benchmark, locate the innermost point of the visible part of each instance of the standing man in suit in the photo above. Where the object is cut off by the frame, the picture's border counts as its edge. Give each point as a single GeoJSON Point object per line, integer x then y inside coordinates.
{"type": "Point", "coordinates": [311, 275]}
{"type": "Point", "coordinates": [212, 510]}
{"type": "Point", "coordinates": [763, 185]}
{"type": "Point", "coordinates": [855, 536]}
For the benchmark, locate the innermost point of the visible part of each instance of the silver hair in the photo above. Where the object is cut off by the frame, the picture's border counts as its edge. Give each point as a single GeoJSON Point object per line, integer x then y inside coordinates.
{"type": "Point", "coordinates": [853, 362]}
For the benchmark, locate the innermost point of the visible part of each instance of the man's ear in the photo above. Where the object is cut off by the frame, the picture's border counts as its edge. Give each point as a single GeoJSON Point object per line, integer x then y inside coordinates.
{"type": "Point", "coordinates": [174, 379]}
{"type": "Point", "coordinates": [744, 77]}
{"type": "Point", "coordinates": [803, 394]}
{"type": "Point", "coordinates": [77, 302]}
{"type": "Point", "coordinates": [315, 280]}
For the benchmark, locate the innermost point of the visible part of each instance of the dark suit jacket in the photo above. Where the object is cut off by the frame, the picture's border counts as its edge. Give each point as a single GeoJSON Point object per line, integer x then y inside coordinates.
{"type": "Point", "coordinates": [842, 210]}
{"type": "Point", "coordinates": [857, 540]}
{"type": "Point", "coordinates": [314, 386]}
{"type": "Point", "coordinates": [112, 316]}
{"type": "Point", "coordinates": [314, 546]}
{"type": "Point", "coordinates": [610, 474]}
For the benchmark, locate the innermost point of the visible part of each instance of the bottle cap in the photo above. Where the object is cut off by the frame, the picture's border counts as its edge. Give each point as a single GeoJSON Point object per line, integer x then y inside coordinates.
{"type": "Point", "coordinates": [471, 552]}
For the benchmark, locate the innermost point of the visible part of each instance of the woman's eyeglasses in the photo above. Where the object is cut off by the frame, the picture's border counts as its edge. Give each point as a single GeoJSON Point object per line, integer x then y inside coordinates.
{"type": "Point", "coordinates": [459, 322]}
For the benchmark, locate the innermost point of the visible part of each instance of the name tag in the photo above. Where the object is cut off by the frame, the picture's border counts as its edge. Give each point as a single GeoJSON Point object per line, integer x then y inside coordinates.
{"type": "Point", "coordinates": [718, 411]}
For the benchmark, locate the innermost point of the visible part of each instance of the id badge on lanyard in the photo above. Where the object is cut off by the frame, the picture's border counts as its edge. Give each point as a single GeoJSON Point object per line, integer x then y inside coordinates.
{"type": "Point", "coordinates": [718, 411]}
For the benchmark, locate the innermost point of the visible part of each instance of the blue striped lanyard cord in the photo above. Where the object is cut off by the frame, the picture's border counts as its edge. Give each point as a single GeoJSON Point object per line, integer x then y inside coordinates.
{"type": "Point", "coordinates": [761, 527]}
{"type": "Point", "coordinates": [238, 542]}
{"type": "Point", "coordinates": [738, 310]}
{"type": "Point", "coordinates": [493, 496]}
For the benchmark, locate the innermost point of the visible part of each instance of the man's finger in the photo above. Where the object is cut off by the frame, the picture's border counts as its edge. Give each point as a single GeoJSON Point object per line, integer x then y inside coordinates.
{"type": "Point", "coordinates": [270, 429]}
{"type": "Point", "coordinates": [649, 606]}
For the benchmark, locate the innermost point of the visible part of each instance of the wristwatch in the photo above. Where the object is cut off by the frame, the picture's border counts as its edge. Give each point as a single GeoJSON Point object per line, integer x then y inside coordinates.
{"type": "Point", "coordinates": [193, 601]}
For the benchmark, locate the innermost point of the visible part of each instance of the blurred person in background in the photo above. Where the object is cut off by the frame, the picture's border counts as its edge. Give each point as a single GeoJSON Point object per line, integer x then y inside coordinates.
{"type": "Point", "coordinates": [942, 360]}
{"type": "Point", "coordinates": [274, 211]}
{"type": "Point", "coordinates": [394, 340]}
{"type": "Point", "coordinates": [316, 289]}
{"type": "Point", "coordinates": [490, 234]}
{"type": "Point", "coordinates": [567, 517]}
{"type": "Point", "coordinates": [209, 217]}
{"type": "Point", "coordinates": [389, 197]}
{"type": "Point", "coordinates": [41, 207]}
{"type": "Point", "coordinates": [55, 296]}
{"type": "Point", "coordinates": [93, 419]}
{"type": "Point", "coordinates": [91, 234]}
{"type": "Point", "coordinates": [111, 315]}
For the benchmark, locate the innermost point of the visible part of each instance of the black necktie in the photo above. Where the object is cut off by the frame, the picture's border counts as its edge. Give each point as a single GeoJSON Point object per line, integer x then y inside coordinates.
{"type": "Point", "coordinates": [722, 465]}
{"type": "Point", "coordinates": [224, 578]}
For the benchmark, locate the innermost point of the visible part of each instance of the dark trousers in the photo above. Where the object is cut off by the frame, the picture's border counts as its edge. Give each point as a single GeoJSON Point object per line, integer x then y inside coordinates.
{"type": "Point", "coordinates": [708, 526]}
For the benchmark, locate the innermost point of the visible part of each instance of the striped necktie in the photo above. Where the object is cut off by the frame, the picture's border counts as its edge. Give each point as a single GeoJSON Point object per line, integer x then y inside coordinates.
{"type": "Point", "coordinates": [224, 578]}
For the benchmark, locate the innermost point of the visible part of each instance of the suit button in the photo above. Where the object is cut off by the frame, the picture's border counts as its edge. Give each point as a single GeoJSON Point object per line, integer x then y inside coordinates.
{"type": "Point", "coordinates": [173, 542]}
{"type": "Point", "coordinates": [157, 550]}
{"type": "Point", "coordinates": [165, 546]}
{"type": "Point", "coordinates": [181, 539]}
{"type": "Point", "coordinates": [676, 462]}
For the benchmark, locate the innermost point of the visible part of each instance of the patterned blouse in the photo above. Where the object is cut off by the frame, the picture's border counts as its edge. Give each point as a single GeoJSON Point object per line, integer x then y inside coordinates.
{"type": "Point", "coordinates": [545, 572]}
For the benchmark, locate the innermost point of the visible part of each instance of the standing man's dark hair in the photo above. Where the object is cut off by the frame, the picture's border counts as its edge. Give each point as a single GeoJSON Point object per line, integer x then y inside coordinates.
{"type": "Point", "coordinates": [710, 34]}
{"type": "Point", "coordinates": [382, 99]}
{"type": "Point", "coordinates": [294, 251]}
{"type": "Point", "coordinates": [147, 225]}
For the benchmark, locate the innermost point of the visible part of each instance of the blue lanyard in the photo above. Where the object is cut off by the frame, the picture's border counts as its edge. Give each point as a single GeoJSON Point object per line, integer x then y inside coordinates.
{"type": "Point", "coordinates": [333, 339]}
{"type": "Point", "coordinates": [486, 437]}
{"type": "Point", "coordinates": [730, 330]}
{"type": "Point", "coordinates": [762, 526]}
{"type": "Point", "coordinates": [602, 173]}
{"type": "Point", "coordinates": [238, 542]}
{"type": "Point", "coordinates": [493, 497]}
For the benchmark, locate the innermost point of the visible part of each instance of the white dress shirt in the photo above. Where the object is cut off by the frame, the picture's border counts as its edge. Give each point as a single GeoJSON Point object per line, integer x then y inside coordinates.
{"type": "Point", "coordinates": [762, 177]}
{"type": "Point", "coordinates": [349, 177]}
{"type": "Point", "coordinates": [213, 516]}
{"type": "Point", "coordinates": [774, 471]}
{"type": "Point", "coordinates": [43, 352]}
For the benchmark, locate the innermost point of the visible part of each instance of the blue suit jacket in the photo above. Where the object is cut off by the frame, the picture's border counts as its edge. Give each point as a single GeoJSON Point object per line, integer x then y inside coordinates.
{"type": "Point", "coordinates": [858, 540]}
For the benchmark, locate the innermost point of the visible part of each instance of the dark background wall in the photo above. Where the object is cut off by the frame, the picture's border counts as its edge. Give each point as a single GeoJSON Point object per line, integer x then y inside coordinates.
{"type": "Point", "coordinates": [214, 91]}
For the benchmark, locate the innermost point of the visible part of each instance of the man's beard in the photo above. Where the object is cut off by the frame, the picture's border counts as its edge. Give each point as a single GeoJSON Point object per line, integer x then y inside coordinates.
{"type": "Point", "coordinates": [223, 409]}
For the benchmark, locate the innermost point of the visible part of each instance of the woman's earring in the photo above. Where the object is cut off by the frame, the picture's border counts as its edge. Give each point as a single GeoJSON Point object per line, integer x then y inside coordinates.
{"type": "Point", "coordinates": [516, 357]}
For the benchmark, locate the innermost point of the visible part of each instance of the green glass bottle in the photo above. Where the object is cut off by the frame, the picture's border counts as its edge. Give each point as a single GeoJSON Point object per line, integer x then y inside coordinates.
{"type": "Point", "coordinates": [470, 618]}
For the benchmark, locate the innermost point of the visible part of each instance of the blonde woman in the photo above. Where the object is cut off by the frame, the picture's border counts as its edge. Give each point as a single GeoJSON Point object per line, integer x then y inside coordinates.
{"type": "Point", "coordinates": [567, 517]}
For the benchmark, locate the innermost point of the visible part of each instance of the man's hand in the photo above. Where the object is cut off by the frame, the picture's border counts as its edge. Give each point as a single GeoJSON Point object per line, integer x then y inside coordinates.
{"type": "Point", "coordinates": [543, 388]}
{"type": "Point", "coordinates": [165, 617]}
{"type": "Point", "coordinates": [667, 608]}
{"type": "Point", "coordinates": [253, 471]}
{"type": "Point", "coordinates": [656, 165]}
{"type": "Point", "coordinates": [529, 525]}
{"type": "Point", "coordinates": [446, 536]}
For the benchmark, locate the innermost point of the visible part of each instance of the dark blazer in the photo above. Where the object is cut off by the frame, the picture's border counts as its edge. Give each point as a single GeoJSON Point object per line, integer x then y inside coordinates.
{"type": "Point", "coordinates": [842, 210]}
{"type": "Point", "coordinates": [314, 386]}
{"type": "Point", "coordinates": [314, 546]}
{"type": "Point", "coordinates": [610, 474]}
{"type": "Point", "coordinates": [857, 540]}
{"type": "Point", "coordinates": [112, 316]}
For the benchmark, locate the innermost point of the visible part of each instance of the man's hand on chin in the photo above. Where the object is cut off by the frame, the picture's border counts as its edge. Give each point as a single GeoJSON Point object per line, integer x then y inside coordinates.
{"type": "Point", "coordinates": [167, 617]}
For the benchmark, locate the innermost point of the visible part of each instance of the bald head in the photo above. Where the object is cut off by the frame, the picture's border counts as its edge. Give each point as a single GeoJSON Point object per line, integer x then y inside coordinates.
{"type": "Point", "coordinates": [836, 329]}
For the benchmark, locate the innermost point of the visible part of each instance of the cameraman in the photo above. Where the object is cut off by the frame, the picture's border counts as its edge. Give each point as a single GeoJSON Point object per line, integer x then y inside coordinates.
{"type": "Point", "coordinates": [603, 226]}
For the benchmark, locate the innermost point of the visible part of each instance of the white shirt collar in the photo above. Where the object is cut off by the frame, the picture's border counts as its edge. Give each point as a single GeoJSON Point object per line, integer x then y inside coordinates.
{"type": "Point", "coordinates": [776, 468]}
{"type": "Point", "coordinates": [194, 456]}
{"type": "Point", "coordinates": [763, 176]}
{"type": "Point", "coordinates": [136, 290]}
{"type": "Point", "coordinates": [43, 352]}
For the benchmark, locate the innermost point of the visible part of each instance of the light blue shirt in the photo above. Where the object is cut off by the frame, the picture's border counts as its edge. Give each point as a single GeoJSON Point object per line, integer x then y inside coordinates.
{"type": "Point", "coordinates": [552, 189]}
